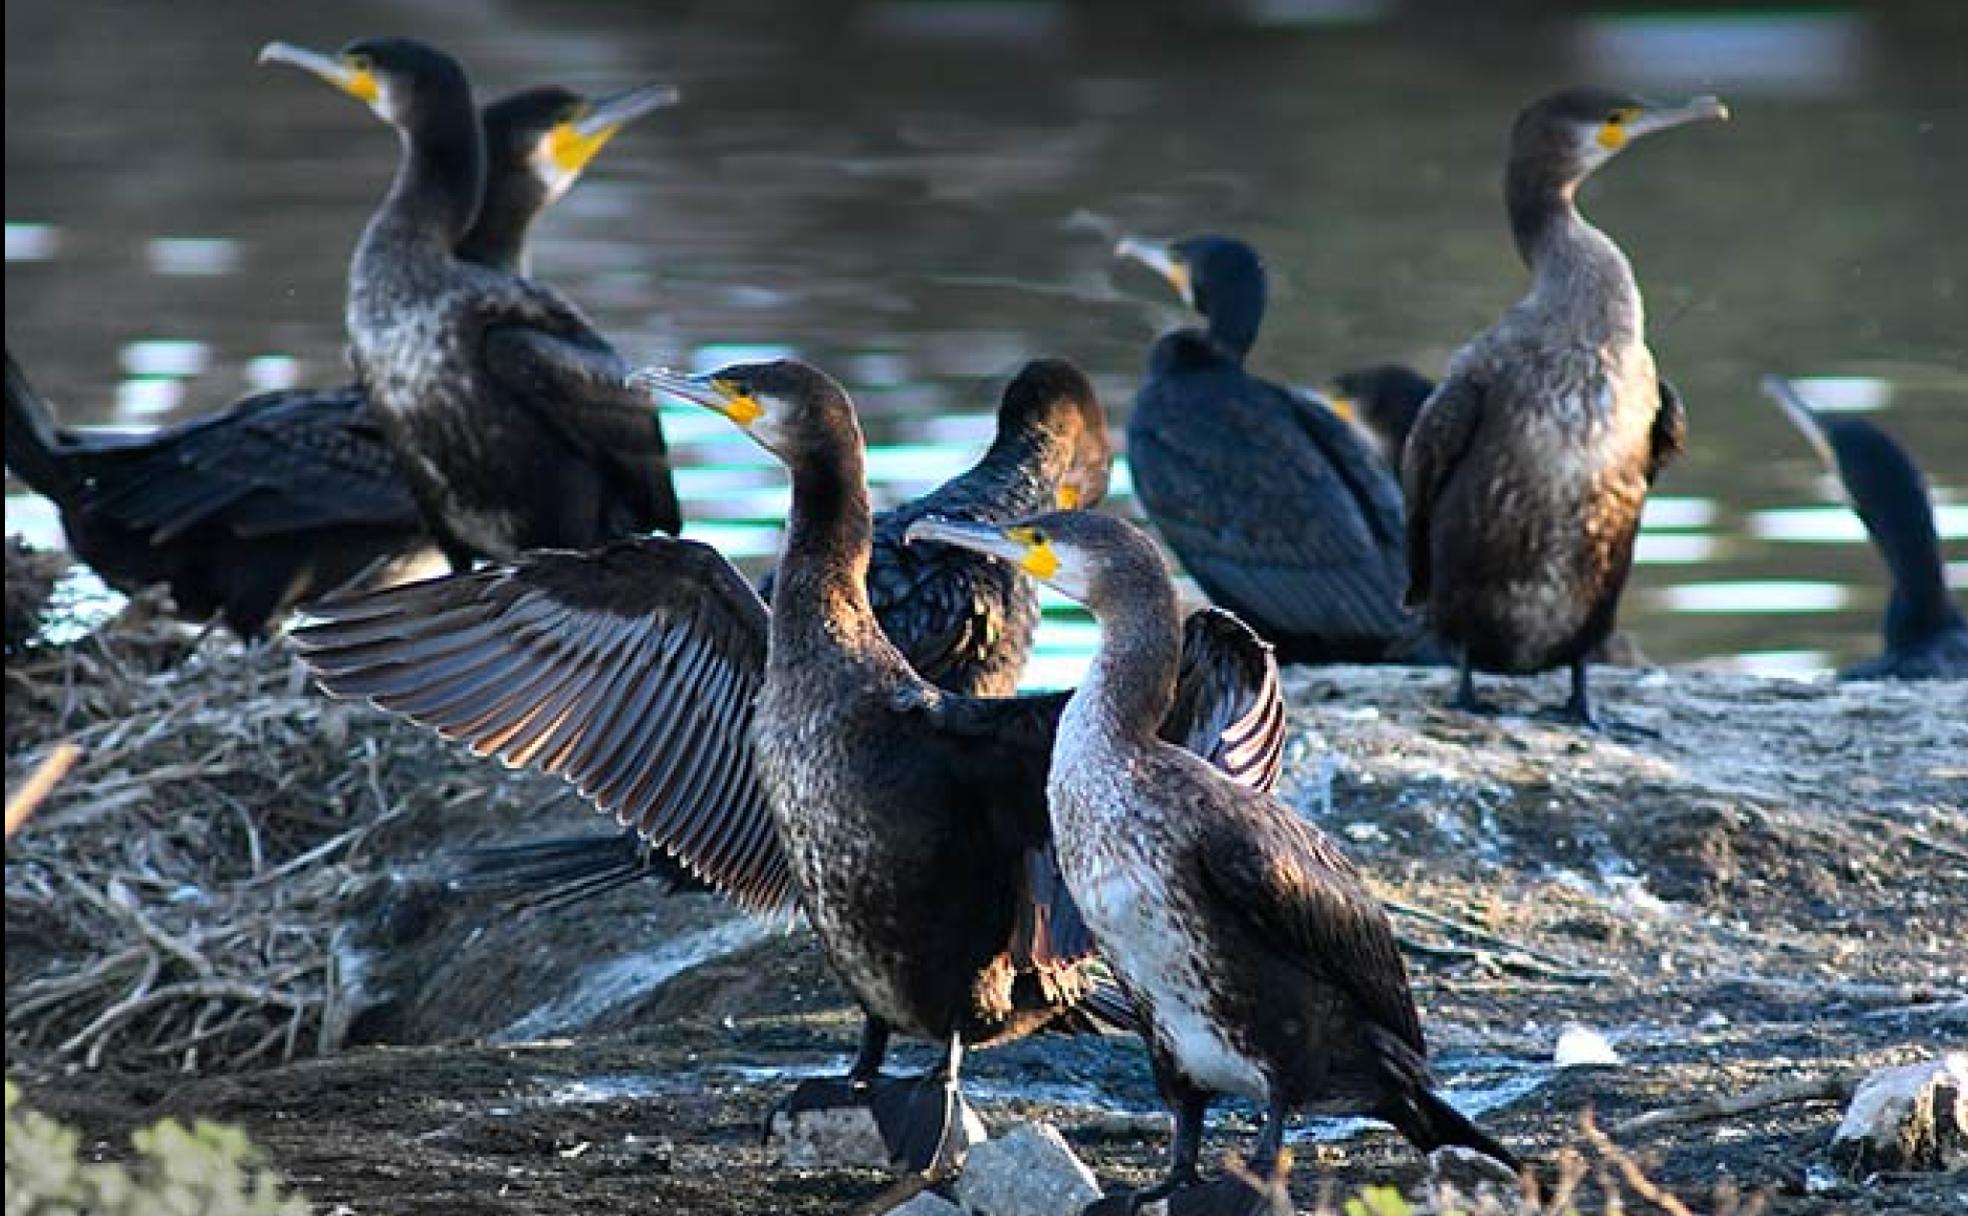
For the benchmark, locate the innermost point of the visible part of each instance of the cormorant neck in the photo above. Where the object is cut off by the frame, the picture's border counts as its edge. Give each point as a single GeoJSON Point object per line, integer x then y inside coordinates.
{"type": "Point", "coordinates": [1190, 350]}
{"type": "Point", "coordinates": [1131, 682]}
{"type": "Point", "coordinates": [435, 195]}
{"type": "Point", "coordinates": [499, 235]}
{"type": "Point", "coordinates": [1019, 474]}
{"type": "Point", "coordinates": [822, 578]}
{"type": "Point", "coordinates": [1893, 505]}
{"type": "Point", "coordinates": [1578, 274]}
{"type": "Point", "coordinates": [1236, 310]}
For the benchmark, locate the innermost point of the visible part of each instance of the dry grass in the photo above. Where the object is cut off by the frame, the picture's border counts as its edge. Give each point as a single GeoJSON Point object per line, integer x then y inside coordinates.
{"type": "Point", "coordinates": [173, 902]}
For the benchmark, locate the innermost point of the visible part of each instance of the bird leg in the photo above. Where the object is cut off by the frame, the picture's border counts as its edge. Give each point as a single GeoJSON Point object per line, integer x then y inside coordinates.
{"type": "Point", "coordinates": [1579, 706]}
{"type": "Point", "coordinates": [917, 1115]}
{"type": "Point", "coordinates": [1465, 698]}
{"type": "Point", "coordinates": [1189, 1105]}
{"type": "Point", "coordinates": [1271, 1137]}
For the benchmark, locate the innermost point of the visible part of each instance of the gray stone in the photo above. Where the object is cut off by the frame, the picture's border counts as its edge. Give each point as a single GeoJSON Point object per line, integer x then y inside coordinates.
{"type": "Point", "coordinates": [926, 1203]}
{"type": "Point", "coordinates": [1914, 1117]}
{"type": "Point", "coordinates": [1029, 1171]}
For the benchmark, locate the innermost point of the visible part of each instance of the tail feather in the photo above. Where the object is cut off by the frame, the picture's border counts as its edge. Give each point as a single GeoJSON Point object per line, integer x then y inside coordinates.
{"type": "Point", "coordinates": [561, 871]}
{"type": "Point", "coordinates": [1433, 1123]}
{"type": "Point", "coordinates": [1420, 1113]}
{"type": "Point", "coordinates": [34, 441]}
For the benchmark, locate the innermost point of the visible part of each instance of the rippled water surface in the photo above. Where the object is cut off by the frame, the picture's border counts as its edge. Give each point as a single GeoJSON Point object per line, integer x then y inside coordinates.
{"type": "Point", "coordinates": [919, 196]}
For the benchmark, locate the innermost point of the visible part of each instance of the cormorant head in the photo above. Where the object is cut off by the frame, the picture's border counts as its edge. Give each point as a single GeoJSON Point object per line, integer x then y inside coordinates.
{"type": "Point", "coordinates": [1220, 277]}
{"type": "Point", "coordinates": [406, 82]}
{"type": "Point", "coordinates": [791, 409]}
{"type": "Point", "coordinates": [554, 132]}
{"type": "Point", "coordinates": [1562, 138]}
{"type": "Point", "coordinates": [1092, 558]}
{"type": "Point", "coordinates": [1055, 396]}
{"type": "Point", "coordinates": [1381, 402]}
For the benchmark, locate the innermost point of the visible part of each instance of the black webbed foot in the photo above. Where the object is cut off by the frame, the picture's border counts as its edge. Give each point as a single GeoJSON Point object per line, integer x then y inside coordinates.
{"type": "Point", "coordinates": [918, 1118]}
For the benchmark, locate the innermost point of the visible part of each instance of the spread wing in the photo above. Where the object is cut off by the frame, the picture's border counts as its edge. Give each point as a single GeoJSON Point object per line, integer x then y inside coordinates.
{"type": "Point", "coordinates": [1670, 433]}
{"type": "Point", "coordinates": [1276, 507]}
{"type": "Point", "coordinates": [631, 671]}
{"type": "Point", "coordinates": [1302, 895]}
{"type": "Point", "coordinates": [1435, 447]}
{"type": "Point", "coordinates": [546, 356]}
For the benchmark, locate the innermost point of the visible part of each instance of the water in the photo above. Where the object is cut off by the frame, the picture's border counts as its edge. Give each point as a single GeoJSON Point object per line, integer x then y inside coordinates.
{"type": "Point", "coordinates": [919, 196]}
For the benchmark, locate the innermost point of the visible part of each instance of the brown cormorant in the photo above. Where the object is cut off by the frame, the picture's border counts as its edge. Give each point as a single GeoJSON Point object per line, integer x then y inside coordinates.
{"type": "Point", "coordinates": [1259, 960]}
{"type": "Point", "coordinates": [505, 408]}
{"type": "Point", "coordinates": [793, 754]}
{"type": "Point", "coordinates": [287, 495]}
{"type": "Point", "coordinates": [1275, 505]}
{"type": "Point", "coordinates": [1526, 471]}
{"type": "Point", "coordinates": [964, 622]}
{"type": "Point", "coordinates": [1926, 636]}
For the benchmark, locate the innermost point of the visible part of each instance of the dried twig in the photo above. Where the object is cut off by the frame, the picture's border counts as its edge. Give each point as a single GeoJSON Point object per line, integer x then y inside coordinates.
{"type": "Point", "coordinates": [23, 801]}
{"type": "Point", "coordinates": [1831, 1087]}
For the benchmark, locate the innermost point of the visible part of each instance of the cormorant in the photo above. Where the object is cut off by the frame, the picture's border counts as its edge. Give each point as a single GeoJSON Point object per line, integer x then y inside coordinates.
{"type": "Point", "coordinates": [1382, 402]}
{"type": "Point", "coordinates": [964, 622]}
{"type": "Point", "coordinates": [1260, 962]}
{"type": "Point", "coordinates": [287, 495]}
{"type": "Point", "coordinates": [1526, 471]}
{"type": "Point", "coordinates": [1270, 500]}
{"type": "Point", "coordinates": [794, 754]}
{"type": "Point", "coordinates": [1926, 636]}
{"type": "Point", "coordinates": [506, 410]}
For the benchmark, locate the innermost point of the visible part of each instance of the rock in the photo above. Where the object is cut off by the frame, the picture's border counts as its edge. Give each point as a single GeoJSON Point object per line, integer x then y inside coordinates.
{"type": "Point", "coordinates": [925, 1203]}
{"type": "Point", "coordinates": [1027, 1172]}
{"type": "Point", "coordinates": [1914, 1117]}
{"type": "Point", "coordinates": [1583, 1047]}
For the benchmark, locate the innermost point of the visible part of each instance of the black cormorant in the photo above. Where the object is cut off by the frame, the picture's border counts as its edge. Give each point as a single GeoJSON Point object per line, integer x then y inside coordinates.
{"type": "Point", "coordinates": [1926, 636]}
{"type": "Point", "coordinates": [1271, 501]}
{"type": "Point", "coordinates": [287, 495]}
{"type": "Point", "coordinates": [1259, 960]}
{"type": "Point", "coordinates": [1382, 402]}
{"type": "Point", "coordinates": [505, 408]}
{"type": "Point", "coordinates": [1526, 471]}
{"type": "Point", "coordinates": [792, 754]}
{"type": "Point", "coordinates": [964, 622]}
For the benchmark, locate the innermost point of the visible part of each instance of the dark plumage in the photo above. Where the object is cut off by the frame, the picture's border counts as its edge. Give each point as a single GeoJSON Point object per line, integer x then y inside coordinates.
{"type": "Point", "coordinates": [1259, 961]}
{"type": "Point", "coordinates": [964, 622]}
{"type": "Point", "coordinates": [1382, 402]}
{"type": "Point", "coordinates": [239, 514]}
{"type": "Point", "coordinates": [786, 755]}
{"type": "Point", "coordinates": [1926, 635]}
{"type": "Point", "coordinates": [1526, 471]}
{"type": "Point", "coordinates": [1274, 505]}
{"type": "Point", "coordinates": [505, 408]}
{"type": "Point", "coordinates": [286, 495]}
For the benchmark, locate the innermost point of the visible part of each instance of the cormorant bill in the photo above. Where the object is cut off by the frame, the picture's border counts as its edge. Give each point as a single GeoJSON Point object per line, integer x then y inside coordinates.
{"type": "Point", "coordinates": [1926, 635]}
{"type": "Point", "coordinates": [1260, 962]}
{"type": "Point", "coordinates": [1526, 471]}
{"type": "Point", "coordinates": [1270, 500]}
{"type": "Point", "coordinates": [507, 411]}
{"type": "Point", "coordinates": [538, 142]}
{"type": "Point", "coordinates": [964, 622]}
{"type": "Point", "coordinates": [1382, 402]}
{"type": "Point", "coordinates": [285, 496]}
{"type": "Point", "coordinates": [791, 754]}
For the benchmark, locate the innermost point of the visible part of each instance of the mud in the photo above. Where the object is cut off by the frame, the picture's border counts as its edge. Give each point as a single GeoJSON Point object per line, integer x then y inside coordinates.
{"type": "Point", "coordinates": [1740, 881]}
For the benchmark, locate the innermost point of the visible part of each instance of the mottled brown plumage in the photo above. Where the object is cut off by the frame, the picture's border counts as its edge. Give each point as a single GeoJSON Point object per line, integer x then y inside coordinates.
{"type": "Point", "coordinates": [1261, 963]}
{"type": "Point", "coordinates": [1525, 473]}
